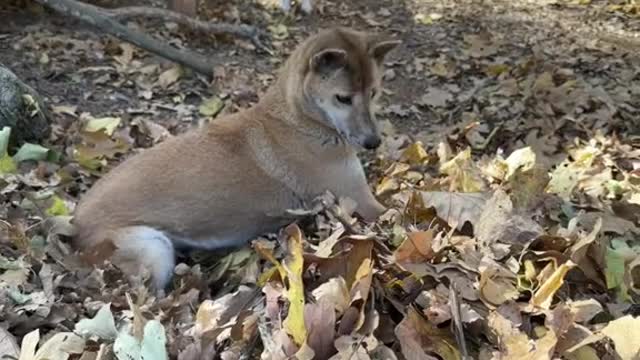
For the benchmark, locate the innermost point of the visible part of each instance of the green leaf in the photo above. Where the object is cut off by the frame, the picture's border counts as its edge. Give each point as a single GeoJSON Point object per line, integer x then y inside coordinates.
{"type": "Point", "coordinates": [58, 207]}
{"type": "Point", "coordinates": [30, 152]}
{"type": "Point", "coordinates": [102, 325]}
{"type": "Point", "coordinates": [153, 345]}
{"type": "Point", "coordinates": [126, 347]}
{"type": "Point", "coordinates": [7, 165]}
{"type": "Point", "coordinates": [5, 133]}
{"type": "Point", "coordinates": [154, 341]}
{"type": "Point", "coordinates": [615, 267]}
{"type": "Point", "coordinates": [108, 124]}
{"type": "Point", "coordinates": [211, 106]}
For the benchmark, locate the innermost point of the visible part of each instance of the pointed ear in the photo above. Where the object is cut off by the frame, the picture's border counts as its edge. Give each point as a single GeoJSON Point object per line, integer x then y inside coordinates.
{"type": "Point", "coordinates": [380, 48]}
{"type": "Point", "coordinates": [328, 60]}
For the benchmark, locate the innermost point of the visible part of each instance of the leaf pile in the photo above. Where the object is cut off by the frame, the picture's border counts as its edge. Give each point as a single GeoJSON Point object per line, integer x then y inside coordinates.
{"type": "Point", "coordinates": [512, 186]}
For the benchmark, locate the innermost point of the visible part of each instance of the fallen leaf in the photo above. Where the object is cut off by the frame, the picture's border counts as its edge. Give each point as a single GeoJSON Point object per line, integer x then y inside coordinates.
{"type": "Point", "coordinates": [8, 346]}
{"type": "Point", "coordinates": [320, 321]}
{"type": "Point", "coordinates": [584, 310]}
{"type": "Point", "coordinates": [106, 124]}
{"type": "Point", "coordinates": [211, 107]}
{"type": "Point", "coordinates": [7, 165]}
{"type": "Point", "coordinates": [521, 159]}
{"type": "Point", "coordinates": [415, 154]}
{"type": "Point", "coordinates": [418, 339]}
{"type": "Point", "coordinates": [464, 175]}
{"type": "Point", "coordinates": [293, 264]}
{"type": "Point", "coordinates": [436, 97]}
{"type": "Point", "coordinates": [170, 76]}
{"type": "Point", "coordinates": [455, 208]}
{"type": "Point", "coordinates": [152, 346]}
{"type": "Point", "coordinates": [102, 325]}
{"type": "Point", "coordinates": [625, 333]}
{"type": "Point", "coordinates": [59, 347]}
{"type": "Point", "coordinates": [544, 295]}
{"type": "Point", "coordinates": [416, 248]}
{"type": "Point", "coordinates": [30, 152]}
{"type": "Point", "coordinates": [334, 292]}
{"type": "Point", "coordinates": [57, 207]}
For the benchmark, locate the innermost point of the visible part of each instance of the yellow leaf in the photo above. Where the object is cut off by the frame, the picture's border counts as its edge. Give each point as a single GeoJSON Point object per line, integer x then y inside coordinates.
{"type": "Point", "coordinates": [7, 165]}
{"type": "Point", "coordinates": [387, 184]}
{"type": "Point", "coordinates": [108, 124]}
{"type": "Point", "coordinates": [415, 154]}
{"type": "Point", "coordinates": [427, 19]}
{"type": "Point", "coordinates": [279, 31]}
{"type": "Point", "coordinates": [58, 207]}
{"type": "Point", "coordinates": [564, 179]}
{"type": "Point", "coordinates": [464, 175]}
{"type": "Point", "coordinates": [543, 297]}
{"type": "Point", "coordinates": [496, 69]}
{"type": "Point", "coordinates": [170, 76]}
{"type": "Point", "coordinates": [625, 333]}
{"type": "Point", "coordinates": [523, 159]}
{"type": "Point", "coordinates": [293, 264]}
{"type": "Point", "coordinates": [262, 248]}
{"type": "Point", "coordinates": [211, 106]}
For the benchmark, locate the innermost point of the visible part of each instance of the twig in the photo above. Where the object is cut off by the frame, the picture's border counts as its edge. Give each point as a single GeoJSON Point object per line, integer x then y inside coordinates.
{"type": "Point", "coordinates": [241, 30]}
{"type": "Point", "coordinates": [99, 19]}
{"type": "Point", "coordinates": [456, 315]}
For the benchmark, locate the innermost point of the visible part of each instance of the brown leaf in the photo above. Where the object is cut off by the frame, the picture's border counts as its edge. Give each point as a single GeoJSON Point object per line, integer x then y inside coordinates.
{"type": "Point", "coordinates": [320, 321]}
{"type": "Point", "coordinates": [499, 223]}
{"type": "Point", "coordinates": [418, 339]}
{"type": "Point", "coordinates": [334, 292]}
{"type": "Point", "coordinates": [416, 248]}
{"type": "Point", "coordinates": [455, 208]}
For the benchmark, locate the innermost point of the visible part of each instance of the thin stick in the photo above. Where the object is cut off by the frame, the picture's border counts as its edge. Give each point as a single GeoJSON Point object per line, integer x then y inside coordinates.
{"type": "Point", "coordinates": [102, 21]}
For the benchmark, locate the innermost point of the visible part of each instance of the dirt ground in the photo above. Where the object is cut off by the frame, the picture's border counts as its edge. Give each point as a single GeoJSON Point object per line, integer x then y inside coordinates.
{"type": "Point", "coordinates": [596, 45]}
{"type": "Point", "coordinates": [491, 76]}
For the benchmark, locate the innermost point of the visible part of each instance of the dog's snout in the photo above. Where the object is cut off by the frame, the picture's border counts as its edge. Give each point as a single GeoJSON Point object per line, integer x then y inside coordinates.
{"type": "Point", "coordinates": [371, 142]}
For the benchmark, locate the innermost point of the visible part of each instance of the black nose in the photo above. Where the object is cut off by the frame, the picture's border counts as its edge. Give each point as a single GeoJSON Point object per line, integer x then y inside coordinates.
{"type": "Point", "coordinates": [371, 142]}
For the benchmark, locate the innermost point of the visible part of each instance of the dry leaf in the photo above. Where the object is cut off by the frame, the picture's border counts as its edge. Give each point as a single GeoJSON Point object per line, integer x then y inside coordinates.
{"type": "Point", "coordinates": [625, 333]}
{"type": "Point", "coordinates": [544, 295]}
{"type": "Point", "coordinates": [294, 323]}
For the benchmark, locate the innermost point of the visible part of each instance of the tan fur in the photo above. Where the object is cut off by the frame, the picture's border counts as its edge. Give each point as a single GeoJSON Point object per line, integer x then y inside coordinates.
{"type": "Point", "coordinates": [233, 180]}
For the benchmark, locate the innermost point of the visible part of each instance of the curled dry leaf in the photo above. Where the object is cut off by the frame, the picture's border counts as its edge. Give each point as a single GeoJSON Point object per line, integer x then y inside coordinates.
{"type": "Point", "coordinates": [544, 295]}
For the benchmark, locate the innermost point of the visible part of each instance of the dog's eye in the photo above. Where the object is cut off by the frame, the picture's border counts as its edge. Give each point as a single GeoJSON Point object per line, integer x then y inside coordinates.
{"type": "Point", "coordinates": [346, 100]}
{"type": "Point", "coordinates": [373, 93]}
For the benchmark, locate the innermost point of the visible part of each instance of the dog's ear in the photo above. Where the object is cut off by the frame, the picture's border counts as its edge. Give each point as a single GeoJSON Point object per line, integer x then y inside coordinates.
{"type": "Point", "coordinates": [328, 60]}
{"type": "Point", "coordinates": [378, 48]}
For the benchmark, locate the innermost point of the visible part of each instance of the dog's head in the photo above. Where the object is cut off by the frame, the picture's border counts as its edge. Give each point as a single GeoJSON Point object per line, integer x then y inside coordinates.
{"type": "Point", "coordinates": [341, 81]}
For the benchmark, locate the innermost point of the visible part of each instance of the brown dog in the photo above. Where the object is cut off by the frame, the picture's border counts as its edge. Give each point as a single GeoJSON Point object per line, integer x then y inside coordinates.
{"type": "Point", "coordinates": [233, 180]}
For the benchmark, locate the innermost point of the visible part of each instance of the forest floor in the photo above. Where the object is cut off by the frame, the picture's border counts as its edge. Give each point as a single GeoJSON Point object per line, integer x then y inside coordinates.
{"type": "Point", "coordinates": [511, 167]}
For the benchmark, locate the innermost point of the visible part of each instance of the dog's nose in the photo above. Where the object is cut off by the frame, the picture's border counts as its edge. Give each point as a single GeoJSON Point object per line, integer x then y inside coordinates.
{"type": "Point", "coordinates": [372, 142]}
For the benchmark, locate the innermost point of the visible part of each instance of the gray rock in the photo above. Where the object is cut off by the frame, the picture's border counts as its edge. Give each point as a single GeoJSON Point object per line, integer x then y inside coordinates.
{"type": "Point", "coordinates": [22, 109]}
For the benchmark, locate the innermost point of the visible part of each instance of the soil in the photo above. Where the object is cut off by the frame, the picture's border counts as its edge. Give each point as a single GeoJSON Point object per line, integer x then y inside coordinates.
{"type": "Point", "coordinates": [552, 32]}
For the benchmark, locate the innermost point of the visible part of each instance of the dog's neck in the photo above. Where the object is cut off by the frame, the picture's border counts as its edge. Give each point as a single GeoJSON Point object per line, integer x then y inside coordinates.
{"type": "Point", "coordinates": [285, 113]}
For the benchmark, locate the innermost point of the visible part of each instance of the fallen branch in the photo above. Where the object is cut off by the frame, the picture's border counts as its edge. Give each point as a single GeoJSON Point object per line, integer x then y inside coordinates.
{"type": "Point", "coordinates": [242, 30]}
{"type": "Point", "coordinates": [101, 20]}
